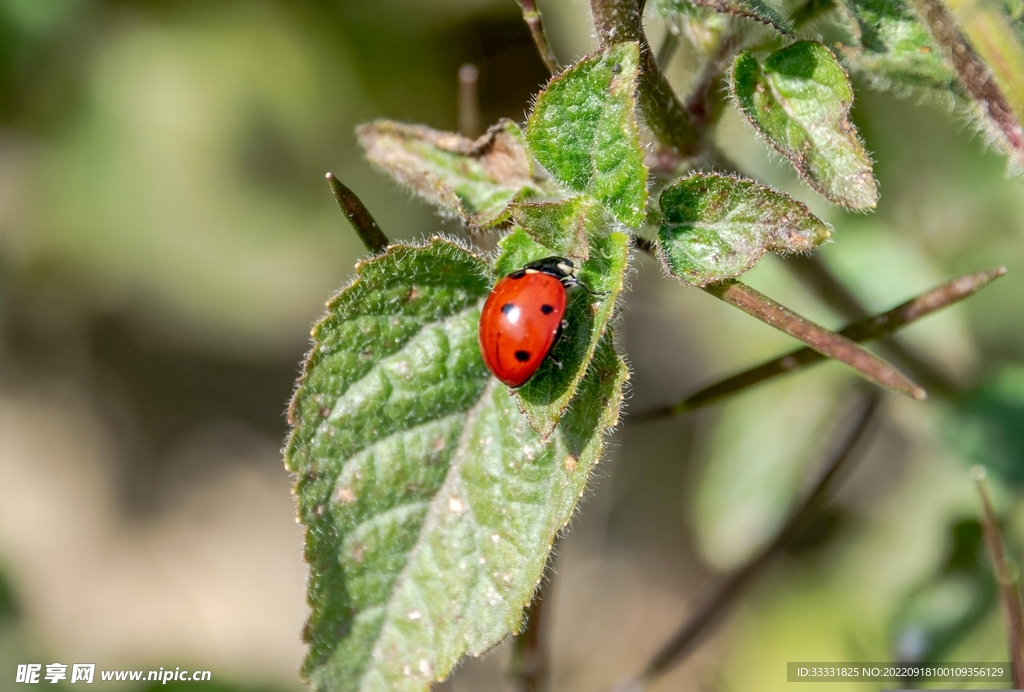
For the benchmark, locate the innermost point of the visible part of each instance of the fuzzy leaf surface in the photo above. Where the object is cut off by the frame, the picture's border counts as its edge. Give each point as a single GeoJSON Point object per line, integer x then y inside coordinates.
{"type": "Point", "coordinates": [563, 226]}
{"type": "Point", "coordinates": [545, 397]}
{"type": "Point", "coordinates": [476, 180]}
{"type": "Point", "coordinates": [429, 501]}
{"type": "Point", "coordinates": [897, 51]}
{"type": "Point", "coordinates": [715, 227]}
{"type": "Point", "coordinates": [750, 9]}
{"type": "Point", "coordinates": [799, 101]}
{"type": "Point", "coordinates": [583, 129]}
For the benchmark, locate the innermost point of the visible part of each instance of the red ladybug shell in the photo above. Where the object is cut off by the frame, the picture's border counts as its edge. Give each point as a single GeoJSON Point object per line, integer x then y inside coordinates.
{"type": "Point", "coordinates": [519, 324]}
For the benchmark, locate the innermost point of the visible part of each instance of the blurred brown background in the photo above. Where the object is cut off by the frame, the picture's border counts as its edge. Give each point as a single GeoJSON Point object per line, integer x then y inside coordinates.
{"type": "Point", "coordinates": [166, 240]}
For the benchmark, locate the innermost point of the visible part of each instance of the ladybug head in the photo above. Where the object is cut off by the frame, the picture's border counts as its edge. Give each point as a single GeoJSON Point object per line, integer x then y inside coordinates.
{"type": "Point", "coordinates": [561, 268]}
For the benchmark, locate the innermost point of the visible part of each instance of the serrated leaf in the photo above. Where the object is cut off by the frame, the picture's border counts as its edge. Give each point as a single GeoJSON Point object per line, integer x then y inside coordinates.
{"type": "Point", "coordinates": [546, 395]}
{"type": "Point", "coordinates": [750, 9]}
{"type": "Point", "coordinates": [799, 101]}
{"type": "Point", "coordinates": [475, 179]}
{"type": "Point", "coordinates": [715, 227]}
{"type": "Point", "coordinates": [429, 501]}
{"type": "Point", "coordinates": [583, 129]}
{"type": "Point", "coordinates": [562, 226]}
{"type": "Point", "coordinates": [895, 50]}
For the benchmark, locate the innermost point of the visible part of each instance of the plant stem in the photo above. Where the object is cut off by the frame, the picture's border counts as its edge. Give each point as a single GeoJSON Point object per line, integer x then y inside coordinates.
{"type": "Point", "coordinates": [814, 274]}
{"type": "Point", "coordinates": [811, 272]}
{"type": "Point", "coordinates": [359, 216]}
{"type": "Point", "coordinates": [974, 74]}
{"type": "Point", "coordinates": [700, 623]}
{"type": "Point", "coordinates": [705, 102]}
{"type": "Point", "coordinates": [618, 21]}
{"type": "Point", "coordinates": [822, 340]}
{"type": "Point", "coordinates": [531, 15]}
{"type": "Point", "coordinates": [469, 101]}
{"type": "Point", "coordinates": [668, 47]}
{"type": "Point", "coordinates": [863, 330]}
{"type": "Point", "coordinates": [529, 667]}
{"type": "Point", "coordinates": [1008, 587]}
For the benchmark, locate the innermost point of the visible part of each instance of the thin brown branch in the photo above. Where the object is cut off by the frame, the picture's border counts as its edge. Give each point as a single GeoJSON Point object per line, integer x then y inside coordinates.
{"type": "Point", "coordinates": [822, 340]}
{"type": "Point", "coordinates": [863, 330]}
{"type": "Point", "coordinates": [703, 620]}
{"type": "Point", "coordinates": [617, 21]}
{"type": "Point", "coordinates": [531, 15]}
{"type": "Point", "coordinates": [973, 73]}
{"type": "Point", "coordinates": [469, 101]}
{"type": "Point", "coordinates": [359, 216]}
{"type": "Point", "coordinates": [814, 274]}
{"type": "Point", "coordinates": [1009, 590]}
{"type": "Point", "coordinates": [529, 667]}
{"type": "Point", "coordinates": [668, 47]}
{"type": "Point", "coordinates": [705, 102]}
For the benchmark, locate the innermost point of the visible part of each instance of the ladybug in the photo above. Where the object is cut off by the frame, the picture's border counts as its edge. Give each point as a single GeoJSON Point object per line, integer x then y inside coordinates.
{"type": "Point", "coordinates": [522, 318]}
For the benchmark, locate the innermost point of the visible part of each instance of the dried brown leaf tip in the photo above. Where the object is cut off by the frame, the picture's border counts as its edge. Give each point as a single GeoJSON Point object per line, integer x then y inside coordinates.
{"type": "Point", "coordinates": [474, 179]}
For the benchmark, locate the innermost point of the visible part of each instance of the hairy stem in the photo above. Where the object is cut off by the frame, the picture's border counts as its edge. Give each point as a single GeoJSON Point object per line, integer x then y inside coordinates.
{"type": "Point", "coordinates": [974, 75]}
{"type": "Point", "coordinates": [863, 330]}
{"type": "Point", "coordinates": [668, 47]}
{"type": "Point", "coordinates": [705, 102]}
{"type": "Point", "coordinates": [359, 216]}
{"type": "Point", "coordinates": [531, 15]}
{"type": "Point", "coordinates": [1008, 587]}
{"type": "Point", "coordinates": [822, 340]}
{"type": "Point", "coordinates": [814, 274]}
{"type": "Point", "coordinates": [529, 667]}
{"type": "Point", "coordinates": [617, 21]}
{"type": "Point", "coordinates": [469, 101]}
{"type": "Point", "coordinates": [703, 620]}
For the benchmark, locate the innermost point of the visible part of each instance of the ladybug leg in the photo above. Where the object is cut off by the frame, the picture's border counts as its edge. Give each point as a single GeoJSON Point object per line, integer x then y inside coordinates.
{"type": "Point", "coordinates": [573, 282]}
{"type": "Point", "coordinates": [598, 294]}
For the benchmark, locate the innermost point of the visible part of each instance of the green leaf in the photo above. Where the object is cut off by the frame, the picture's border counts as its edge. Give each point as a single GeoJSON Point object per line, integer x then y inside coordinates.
{"type": "Point", "coordinates": [799, 101]}
{"type": "Point", "coordinates": [936, 615]}
{"type": "Point", "coordinates": [583, 130]}
{"type": "Point", "coordinates": [987, 426]}
{"type": "Point", "coordinates": [429, 501]}
{"type": "Point", "coordinates": [895, 50]}
{"type": "Point", "coordinates": [475, 179]}
{"type": "Point", "coordinates": [758, 453]}
{"type": "Point", "coordinates": [749, 9]}
{"type": "Point", "coordinates": [563, 226]}
{"type": "Point", "coordinates": [9, 610]}
{"type": "Point", "coordinates": [715, 227]}
{"type": "Point", "coordinates": [545, 397]}
{"type": "Point", "coordinates": [1015, 13]}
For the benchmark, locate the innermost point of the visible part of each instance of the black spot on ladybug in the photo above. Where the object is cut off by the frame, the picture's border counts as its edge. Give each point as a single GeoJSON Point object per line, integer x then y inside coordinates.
{"type": "Point", "coordinates": [507, 308]}
{"type": "Point", "coordinates": [522, 356]}
{"type": "Point", "coordinates": [546, 309]}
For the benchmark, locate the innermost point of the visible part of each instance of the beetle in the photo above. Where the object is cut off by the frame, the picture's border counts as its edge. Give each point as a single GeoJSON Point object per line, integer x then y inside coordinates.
{"type": "Point", "coordinates": [522, 318]}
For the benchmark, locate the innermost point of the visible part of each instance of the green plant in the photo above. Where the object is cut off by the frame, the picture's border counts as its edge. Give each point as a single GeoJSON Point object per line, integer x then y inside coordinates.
{"type": "Point", "coordinates": [432, 494]}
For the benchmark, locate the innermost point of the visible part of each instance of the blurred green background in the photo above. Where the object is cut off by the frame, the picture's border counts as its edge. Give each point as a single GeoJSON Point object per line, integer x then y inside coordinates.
{"type": "Point", "coordinates": [167, 239]}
